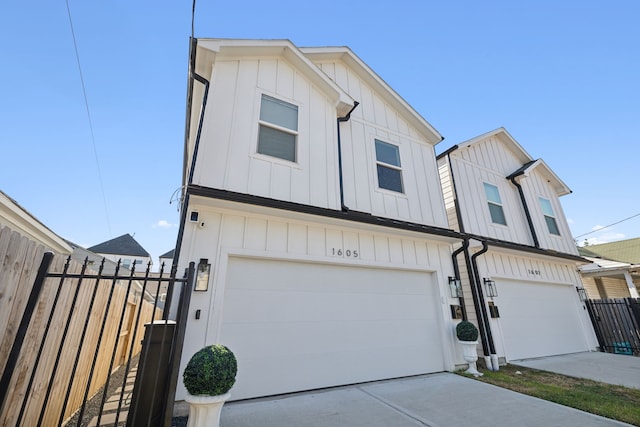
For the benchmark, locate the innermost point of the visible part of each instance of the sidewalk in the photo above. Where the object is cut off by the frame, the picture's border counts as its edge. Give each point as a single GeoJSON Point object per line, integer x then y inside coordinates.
{"type": "Point", "coordinates": [617, 369]}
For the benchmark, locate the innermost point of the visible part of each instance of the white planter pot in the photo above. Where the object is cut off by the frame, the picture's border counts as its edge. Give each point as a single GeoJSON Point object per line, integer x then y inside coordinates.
{"type": "Point", "coordinates": [470, 354]}
{"type": "Point", "coordinates": [204, 411]}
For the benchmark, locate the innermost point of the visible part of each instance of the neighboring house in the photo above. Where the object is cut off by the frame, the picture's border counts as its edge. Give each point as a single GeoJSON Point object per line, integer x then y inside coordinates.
{"type": "Point", "coordinates": [520, 244]}
{"type": "Point", "coordinates": [623, 251]}
{"type": "Point", "coordinates": [15, 217]}
{"type": "Point", "coordinates": [312, 203]}
{"type": "Point", "coordinates": [614, 271]}
{"type": "Point", "coordinates": [125, 249]}
{"type": "Point", "coordinates": [166, 259]}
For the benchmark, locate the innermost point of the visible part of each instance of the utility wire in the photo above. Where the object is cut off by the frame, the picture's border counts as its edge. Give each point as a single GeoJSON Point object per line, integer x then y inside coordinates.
{"type": "Point", "coordinates": [86, 104]}
{"type": "Point", "coordinates": [607, 226]}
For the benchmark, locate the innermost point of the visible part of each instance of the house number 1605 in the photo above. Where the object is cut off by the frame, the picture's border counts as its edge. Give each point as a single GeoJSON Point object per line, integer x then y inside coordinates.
{"type": "Point", "coordinates": [351, 253]}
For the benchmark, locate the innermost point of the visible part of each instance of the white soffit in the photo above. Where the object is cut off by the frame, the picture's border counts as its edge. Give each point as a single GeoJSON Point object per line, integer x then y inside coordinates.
{"type": "Point", "coordinates": [242, 48]}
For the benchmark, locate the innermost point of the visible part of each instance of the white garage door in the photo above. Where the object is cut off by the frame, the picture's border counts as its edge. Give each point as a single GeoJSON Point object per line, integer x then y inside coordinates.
{"type": "Point", "coordinates": [300, 326]}
{"type": "Point", "coordinates": [539, 319]}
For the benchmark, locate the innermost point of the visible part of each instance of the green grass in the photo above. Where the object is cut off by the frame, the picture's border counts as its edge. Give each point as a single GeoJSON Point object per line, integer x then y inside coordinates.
{"type": "Point", "coordinates": [610, 401]}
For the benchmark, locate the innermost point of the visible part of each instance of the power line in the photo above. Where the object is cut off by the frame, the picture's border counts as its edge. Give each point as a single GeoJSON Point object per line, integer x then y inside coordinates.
{"type": "Point", "coordinates": [607, 226]}
{"type": "Point", "coordinates": [86, 104]}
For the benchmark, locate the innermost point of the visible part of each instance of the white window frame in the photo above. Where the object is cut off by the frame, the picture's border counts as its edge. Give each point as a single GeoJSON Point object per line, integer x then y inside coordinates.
{"type": "Point", "coordinates": [549, 216]}
{"type": "Point", "coordinates": [494, 203]}
{"type": "Point", "coordinates": [383, 164]}
{"type": "Point", "coordinates": [279, 128]}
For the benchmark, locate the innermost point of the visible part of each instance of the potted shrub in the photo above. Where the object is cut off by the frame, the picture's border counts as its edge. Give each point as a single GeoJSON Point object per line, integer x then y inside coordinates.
{"type": "Point", "coordinates": [467, 334]}
{"type": "Point", "coordinates": [208, 377]}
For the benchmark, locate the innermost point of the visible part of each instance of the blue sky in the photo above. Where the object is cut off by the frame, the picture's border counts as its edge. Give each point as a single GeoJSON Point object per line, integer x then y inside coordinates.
{"type": "Point", "coordinates": [562, 77]}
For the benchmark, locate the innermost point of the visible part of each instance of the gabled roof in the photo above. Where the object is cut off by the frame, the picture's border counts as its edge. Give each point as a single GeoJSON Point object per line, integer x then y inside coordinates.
{"type": "Point", "coordinates": [123, 245]}
{"type": "Point", "coordinates": [559, 186]}
{"type": "Point", "coordinates": [168, 254]}
{"type": "Point", "coordinates": [346, 55]}
{"type": "Point", "coordinates": [232, 48]}
{"type": "Point", "coordinates": [504, 136]}
{"type": "Point", "coordinates": [528, 162]}
{"type": "Point", "coordinates": [622, 250]}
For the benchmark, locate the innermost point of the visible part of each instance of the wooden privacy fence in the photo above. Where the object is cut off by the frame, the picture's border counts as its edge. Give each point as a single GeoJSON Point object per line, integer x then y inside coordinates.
{"type": "Point", "coordinates": [617, 324]}
{"type": "Point", "coordinates": [65, 329]}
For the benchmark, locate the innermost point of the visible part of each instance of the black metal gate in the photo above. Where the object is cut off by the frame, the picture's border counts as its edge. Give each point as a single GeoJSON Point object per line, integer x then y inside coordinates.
{"type": "Point", "coordinates": [80, 331]}
{"type": "Point", "coordinates": [617, 324]}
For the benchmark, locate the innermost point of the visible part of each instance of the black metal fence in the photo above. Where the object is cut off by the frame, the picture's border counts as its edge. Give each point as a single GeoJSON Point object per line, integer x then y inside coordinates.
{"type": "Point", "coordinates": [79, 327]}
{"type": "Point", "coordinates": [617, 324]}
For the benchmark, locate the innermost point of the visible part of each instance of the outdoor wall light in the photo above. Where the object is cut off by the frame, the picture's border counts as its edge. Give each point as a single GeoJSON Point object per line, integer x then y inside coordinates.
{"type": "Point", "coordinates": [455, 287]}
{"type": "Point", "coordinates": [490, 287]}
{"type": "Point", "coordinates": [582, 293]}
{"type": "Point", "coordinates": [202, 276]}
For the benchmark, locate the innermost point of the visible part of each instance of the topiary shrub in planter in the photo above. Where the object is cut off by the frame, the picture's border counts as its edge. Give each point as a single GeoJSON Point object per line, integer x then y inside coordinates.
{"type": "Point", "coordinates": [211, 371]}
{"type": "Point", "coordinates": [208, 377]}
{"type": "Point", "coordinates": [467, 334]}
{"type": "Point", "coordinates": [466, 331]}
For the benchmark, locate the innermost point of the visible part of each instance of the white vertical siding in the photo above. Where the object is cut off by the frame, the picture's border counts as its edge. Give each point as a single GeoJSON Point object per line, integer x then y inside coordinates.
{"type": "Point", "coordinates": [228, 158]}
{"type": "Point", "coordinates": [536, 185]}
{"type": "Point", "coordinates": [374, 119]}
{"type": "Point", "coordinates": [476, 219]}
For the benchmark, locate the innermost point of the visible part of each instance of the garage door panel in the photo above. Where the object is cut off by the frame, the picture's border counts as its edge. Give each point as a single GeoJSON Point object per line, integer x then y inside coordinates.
{"type": "Point", "coordinates": [320, 327]}
{"type": "Point", "coordinates": [318, 306]}
{"type": "Point", "coordinates": [539, 319]}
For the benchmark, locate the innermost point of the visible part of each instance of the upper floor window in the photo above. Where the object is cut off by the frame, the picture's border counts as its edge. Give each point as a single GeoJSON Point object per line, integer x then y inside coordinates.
{"type": "Point", "coordinates": [388, 165]}
{"type": "Point", "coordinates": [549, 217]}
{"type": "Point", "coordinates": [495, 204]}
{"type": "Point", "coordinates": [278, 128]}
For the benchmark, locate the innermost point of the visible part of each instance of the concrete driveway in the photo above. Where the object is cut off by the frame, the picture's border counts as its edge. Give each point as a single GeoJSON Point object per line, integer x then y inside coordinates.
{"type": "Point", "coordinates": [442, 399]}
{"type": "Point", "coordinates": [608, 368]}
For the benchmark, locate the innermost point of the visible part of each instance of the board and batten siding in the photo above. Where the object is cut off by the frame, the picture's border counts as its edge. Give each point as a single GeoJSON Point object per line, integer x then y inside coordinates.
{"type": "Point", "coordinates": [510, 266]}
{"type": "Point", "coordinates": [374, 119]}
{"type": "Point", "coordinates": [474, 208]}
{"type": "Point", "coordinates": [231, 232]}
{"type": "Point", "coordinates": [228, 157]}
{"type": "Point", "coordinates": [536, 185]}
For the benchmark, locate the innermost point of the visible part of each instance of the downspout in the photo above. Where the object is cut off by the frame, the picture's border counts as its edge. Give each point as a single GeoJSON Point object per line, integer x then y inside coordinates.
{"type": "Point", "coordinates": [340, 120]}
{"type": "Point", "coordinates": [476, 305]}
{"type": "Point", "coordinates": [456, 271]}
{"type": "Point", "coordinates": [492, 360]}
{"type": "Point", "coordinates": [189, 179]}
{"type": "Point", "coordinates": [512, 178]}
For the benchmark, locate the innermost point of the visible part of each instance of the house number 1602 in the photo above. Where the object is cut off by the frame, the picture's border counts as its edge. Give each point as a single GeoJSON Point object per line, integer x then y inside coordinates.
{"type": "Point", "coordinates": [351, 253]}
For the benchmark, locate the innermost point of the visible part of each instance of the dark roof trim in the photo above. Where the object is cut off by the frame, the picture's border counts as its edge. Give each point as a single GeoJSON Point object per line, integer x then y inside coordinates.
{"type": "Point", "coordinates": [530, 249]}
{"type": "Point", "coordinates": [196, 190]}
{"type": "Point", "coordinates": [365, 218]}
{"type": "Point", "coordinates": [446, 152]}
{"type": "Point", "coordinates": [521, 170]}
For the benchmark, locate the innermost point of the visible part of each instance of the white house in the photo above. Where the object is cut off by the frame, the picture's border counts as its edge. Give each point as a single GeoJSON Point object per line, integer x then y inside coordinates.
{"type": "Point", "coordinates": [312, 193]}
{"type": "Point", "coordinates": [519, 244]}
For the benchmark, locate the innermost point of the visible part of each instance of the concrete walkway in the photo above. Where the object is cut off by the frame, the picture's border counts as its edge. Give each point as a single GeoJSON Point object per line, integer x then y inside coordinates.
{"type": "Point", "coordinates": [608, 368]}
{"type": "Point", "coordinates": [443, 399]}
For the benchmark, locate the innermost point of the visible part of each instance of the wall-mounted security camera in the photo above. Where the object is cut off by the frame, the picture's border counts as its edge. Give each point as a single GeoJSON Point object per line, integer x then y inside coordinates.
{"type": "Point", "coordinates": [193, 216]}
